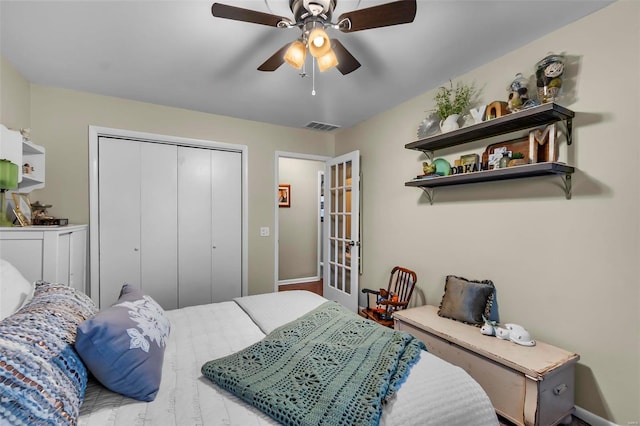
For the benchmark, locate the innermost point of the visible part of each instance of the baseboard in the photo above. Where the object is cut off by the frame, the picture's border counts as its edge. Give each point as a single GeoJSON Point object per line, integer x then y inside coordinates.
{"type": "Point", "coordinates": [592, 419]}
{"type": "Point", "coordinates": [299, 280]}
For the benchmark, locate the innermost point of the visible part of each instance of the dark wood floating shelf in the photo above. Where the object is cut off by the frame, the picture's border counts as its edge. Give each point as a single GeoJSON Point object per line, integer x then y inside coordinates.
{"type": "Point", "coordinates": [515, 172]}
{"type": "Point", "coordinates": [528, 118]}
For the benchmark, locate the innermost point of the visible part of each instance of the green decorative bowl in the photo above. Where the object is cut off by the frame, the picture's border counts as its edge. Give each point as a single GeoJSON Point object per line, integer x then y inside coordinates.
{"type": "Point", "coordinates": [443, 168]}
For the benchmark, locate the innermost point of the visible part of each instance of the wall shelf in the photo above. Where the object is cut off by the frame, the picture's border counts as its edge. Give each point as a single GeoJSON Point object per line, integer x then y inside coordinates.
{"type": "Point", "coordinates": [527, 119]}
{"type": "Point", "coordinates": [516, 172]}
{"type": "Point", "coordinates": [521, 120]}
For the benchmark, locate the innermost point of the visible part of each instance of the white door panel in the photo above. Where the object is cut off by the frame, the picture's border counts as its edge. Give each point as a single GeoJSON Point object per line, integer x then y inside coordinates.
{"type": "Point", "coordinates": [159, 223]}
{"type": "Point", "coordinates": [226, 218]}
{"type": "Point", "coordinates": [342, 239]}
{"type": "Point", "coordinates": [194, 238]}
{"type": "Point", "coordinates": [119, 201]}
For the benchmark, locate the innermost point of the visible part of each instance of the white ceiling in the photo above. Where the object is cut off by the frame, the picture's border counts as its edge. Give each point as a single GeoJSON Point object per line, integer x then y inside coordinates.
{"type": "Point", "coordinates": [176, 53]}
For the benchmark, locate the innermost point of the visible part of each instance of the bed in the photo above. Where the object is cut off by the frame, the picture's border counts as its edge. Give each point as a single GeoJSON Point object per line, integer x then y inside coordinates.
{"type": "Point", "coordinates": [434, 393]}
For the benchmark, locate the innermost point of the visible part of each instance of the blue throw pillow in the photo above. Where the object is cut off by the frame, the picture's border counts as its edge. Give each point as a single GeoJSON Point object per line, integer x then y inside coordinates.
{"type": "Point", "coordinates": [123, 346]}
{"type": "Point", "coordinates": [42, 379]}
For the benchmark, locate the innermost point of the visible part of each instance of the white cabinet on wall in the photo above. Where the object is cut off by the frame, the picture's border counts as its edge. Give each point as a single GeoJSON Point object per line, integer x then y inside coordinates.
{"type": "Point", "coordinates": [56, 254]}
{"type": "Point", "coordinates": [29, 157]}
{"type": "Point", "coordinates": [170, 222]}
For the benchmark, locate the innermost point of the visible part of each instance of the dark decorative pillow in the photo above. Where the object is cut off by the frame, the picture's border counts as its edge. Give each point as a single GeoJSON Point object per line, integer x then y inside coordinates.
{"type": "Point", "coordinates": [466, 300]}
{"type": "Point", "coordinates": [123, 346]}
{"type": "Point", "coordinates": [42, 379]}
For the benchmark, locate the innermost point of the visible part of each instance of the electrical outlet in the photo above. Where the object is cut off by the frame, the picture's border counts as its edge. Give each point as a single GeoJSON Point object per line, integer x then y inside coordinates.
{"type": "Point", "coordinates": [264, 231]}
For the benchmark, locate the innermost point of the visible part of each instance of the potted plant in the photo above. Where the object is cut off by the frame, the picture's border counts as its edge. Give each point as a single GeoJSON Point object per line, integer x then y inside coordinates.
{"type": "Point", "coordinates": [517, 159]}
{"type": "Point", "coordinates": [451, 103]}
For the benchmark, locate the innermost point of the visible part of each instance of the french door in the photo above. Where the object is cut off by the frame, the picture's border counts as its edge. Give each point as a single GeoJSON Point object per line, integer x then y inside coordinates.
{"type": "Point", "coordinates": [342, 230]}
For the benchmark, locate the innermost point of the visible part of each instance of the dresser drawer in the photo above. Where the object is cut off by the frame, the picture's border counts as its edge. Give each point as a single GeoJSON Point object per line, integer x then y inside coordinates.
{"type": "Point", "coordinates": [506, 388]}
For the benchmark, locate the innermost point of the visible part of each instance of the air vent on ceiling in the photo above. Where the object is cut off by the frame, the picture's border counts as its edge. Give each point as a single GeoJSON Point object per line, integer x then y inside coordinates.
{"type": "Point", "coordinates": [315, 125]}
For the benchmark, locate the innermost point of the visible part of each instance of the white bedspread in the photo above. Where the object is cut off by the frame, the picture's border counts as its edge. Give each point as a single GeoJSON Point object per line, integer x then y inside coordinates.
{"type": "Point", "coordinates": [436, 392]}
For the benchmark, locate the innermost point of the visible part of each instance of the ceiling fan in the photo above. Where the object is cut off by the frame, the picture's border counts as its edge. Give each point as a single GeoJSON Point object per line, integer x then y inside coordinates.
{"type": "Point", "coordinates": [312, 17]}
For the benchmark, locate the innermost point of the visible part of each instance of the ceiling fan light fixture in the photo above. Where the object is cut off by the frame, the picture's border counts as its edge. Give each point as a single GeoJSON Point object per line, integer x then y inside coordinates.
{"type": "Point", "coordinates": [296, 54]}
{"type": "Point", "coordinates": [319, 44]}
{"type": "Point", "coordinates": [327, 61]}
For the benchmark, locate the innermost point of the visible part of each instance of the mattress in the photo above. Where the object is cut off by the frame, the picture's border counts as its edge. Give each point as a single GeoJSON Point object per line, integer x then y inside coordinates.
{"type": "Point", "coordinates": [435, 392]}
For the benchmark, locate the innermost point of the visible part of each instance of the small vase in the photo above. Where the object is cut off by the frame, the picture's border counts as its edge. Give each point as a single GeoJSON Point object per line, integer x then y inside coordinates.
{"type": "Point", "coordinates": [450, 123]}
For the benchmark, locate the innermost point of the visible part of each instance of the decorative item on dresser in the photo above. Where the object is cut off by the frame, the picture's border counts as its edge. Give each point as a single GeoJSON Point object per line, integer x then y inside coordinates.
{"type": "Point", "coordinates": [527, 385]}
{"type": "Point", "coordinates": [8, 180]}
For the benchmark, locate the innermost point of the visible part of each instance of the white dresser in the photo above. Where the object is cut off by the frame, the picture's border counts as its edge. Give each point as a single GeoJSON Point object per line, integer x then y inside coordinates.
{"type": "Point", "coordinates": [55, 254]}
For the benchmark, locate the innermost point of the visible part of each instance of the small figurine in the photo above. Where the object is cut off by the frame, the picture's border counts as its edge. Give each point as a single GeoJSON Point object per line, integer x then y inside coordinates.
{"type": "Point", "coordinates": [488, 329]}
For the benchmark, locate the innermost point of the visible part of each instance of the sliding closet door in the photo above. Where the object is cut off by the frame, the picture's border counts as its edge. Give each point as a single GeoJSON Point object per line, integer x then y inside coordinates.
{"type": "Point", "coordinates": [138, 219]}
{"type": "Point", "coordinates": [226, 217]}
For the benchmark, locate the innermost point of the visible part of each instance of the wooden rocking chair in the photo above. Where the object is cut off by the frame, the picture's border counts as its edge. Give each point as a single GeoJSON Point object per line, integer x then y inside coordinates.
{"type": "Point", "coordinates": [394, 298]}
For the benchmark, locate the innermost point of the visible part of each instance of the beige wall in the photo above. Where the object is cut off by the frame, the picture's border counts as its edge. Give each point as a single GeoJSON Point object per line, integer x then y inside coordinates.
{"type": "Point", "coordinates": [60, 120]}
{"type": "Point", "coordinates": [15, 99]}
{"type": "Point", "coordinates": [566, 270]}
{"type": "Point", "coordinates": [298, 224]}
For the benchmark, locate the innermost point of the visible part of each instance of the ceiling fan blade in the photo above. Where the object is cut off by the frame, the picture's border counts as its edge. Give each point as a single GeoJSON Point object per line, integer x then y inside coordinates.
{"type": "Point", "coordinates": [274, 62]}
{"type": "Point", "coordinates": [384, 15]}
{"type": "Point", "coordinates": [220, 10]}
{"type": "Point", "coordinates": [346, 62]}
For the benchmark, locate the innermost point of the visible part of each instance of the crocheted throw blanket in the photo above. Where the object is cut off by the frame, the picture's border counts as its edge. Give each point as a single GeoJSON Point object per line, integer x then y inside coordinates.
{"type": "Point", "coordinates": [330, 366]}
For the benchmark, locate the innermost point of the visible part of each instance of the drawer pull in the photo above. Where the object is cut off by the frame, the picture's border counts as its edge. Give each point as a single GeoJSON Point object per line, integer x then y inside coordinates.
{"type": "Point", "coordinates": [560, 389]}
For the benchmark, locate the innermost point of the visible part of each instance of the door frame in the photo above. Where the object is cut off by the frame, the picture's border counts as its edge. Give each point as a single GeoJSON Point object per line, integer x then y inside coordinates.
{"type": "Point", "coordinates": [94, 244]}
{"type": "Point", "coordinates": [276, 228]}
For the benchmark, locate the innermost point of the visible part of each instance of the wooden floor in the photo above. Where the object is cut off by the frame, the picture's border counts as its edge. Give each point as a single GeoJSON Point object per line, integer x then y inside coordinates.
{"type": "Point", "coordinates": [316, 287]}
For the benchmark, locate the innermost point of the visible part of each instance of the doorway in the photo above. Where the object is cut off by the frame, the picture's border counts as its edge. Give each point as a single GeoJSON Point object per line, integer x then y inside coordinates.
{"type": "Point", "coordinates": [298, 230]}
{"type": "Point", "coordinates": [335, 204]}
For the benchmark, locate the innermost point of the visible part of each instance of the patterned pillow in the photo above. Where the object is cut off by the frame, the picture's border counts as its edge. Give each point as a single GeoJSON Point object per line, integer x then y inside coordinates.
{"type": "Point", "coordinates": [42, 379]}
{"type": "Point", "coordinates": [123, 346]}
{"type": "Point", "coordinates": [467, 301]}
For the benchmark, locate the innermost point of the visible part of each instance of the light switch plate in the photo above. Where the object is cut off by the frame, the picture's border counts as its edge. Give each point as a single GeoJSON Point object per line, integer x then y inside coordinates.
{"type": "Point", "coordinates": [264, 231]}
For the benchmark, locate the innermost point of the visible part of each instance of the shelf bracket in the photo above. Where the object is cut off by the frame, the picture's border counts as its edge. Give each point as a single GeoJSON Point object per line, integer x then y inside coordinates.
{"type": "Point", "coordinates": [566, 179]}
{"type": "Point", "coordinates": [429, 193]}
{"type": "Point", "coordinates": [569, 126]}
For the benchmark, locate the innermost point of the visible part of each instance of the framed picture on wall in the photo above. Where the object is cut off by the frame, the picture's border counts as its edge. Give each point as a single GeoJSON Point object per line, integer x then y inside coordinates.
{"type": "Point", "coordinates": [284, 195]}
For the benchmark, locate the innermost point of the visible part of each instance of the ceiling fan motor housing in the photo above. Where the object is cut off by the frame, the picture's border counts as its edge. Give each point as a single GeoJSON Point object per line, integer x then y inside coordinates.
{"type": "Point", "coordinates": [304, 8]}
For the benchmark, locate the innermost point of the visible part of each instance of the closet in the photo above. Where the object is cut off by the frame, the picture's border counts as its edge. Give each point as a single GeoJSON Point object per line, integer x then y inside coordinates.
{"type": "Point", "coordinates": [170, 221]}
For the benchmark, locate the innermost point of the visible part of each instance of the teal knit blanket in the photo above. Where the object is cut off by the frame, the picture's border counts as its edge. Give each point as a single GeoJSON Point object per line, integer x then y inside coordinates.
{"type": "Point", "coordinates": [329, 367]}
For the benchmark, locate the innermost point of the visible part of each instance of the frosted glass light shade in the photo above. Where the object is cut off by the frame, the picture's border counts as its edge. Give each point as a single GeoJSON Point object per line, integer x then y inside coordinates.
{"type": "Point", "coordinates": [319, 44]}
{"type": "Point", "coordinates": [296, 54]}
{"type": "Point", "coordinates": [327, 61]}
{"type": "Point", "coordinates": [8, 175]}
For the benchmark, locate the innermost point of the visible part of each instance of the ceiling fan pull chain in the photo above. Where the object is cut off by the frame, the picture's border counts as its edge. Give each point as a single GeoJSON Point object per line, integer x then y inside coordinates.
{"type": "Point", "coordinates": [313, 78]}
